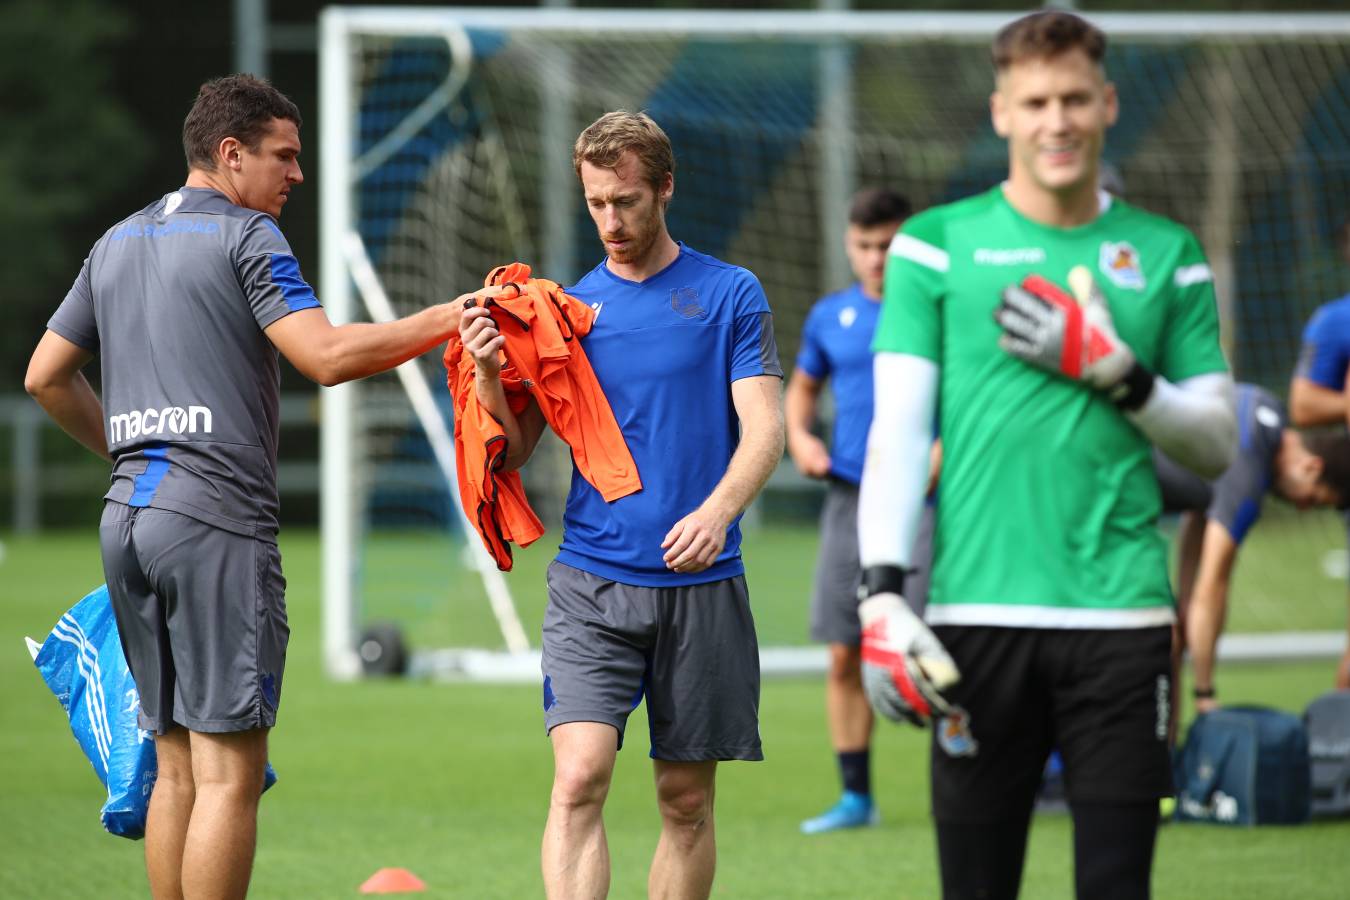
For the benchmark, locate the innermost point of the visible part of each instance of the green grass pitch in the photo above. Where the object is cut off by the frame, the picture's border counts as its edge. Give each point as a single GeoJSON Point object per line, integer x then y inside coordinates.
{"type": "Point", "coordinates": [451, 781]}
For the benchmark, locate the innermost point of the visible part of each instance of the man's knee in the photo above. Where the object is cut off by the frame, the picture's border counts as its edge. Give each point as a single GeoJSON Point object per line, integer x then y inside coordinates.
{"type": "Point", "coordinates": [583, 763]}
{"type": "Point", "coordinates": [580, 782]}
{"type": "Point", "coordinates": [685, 796]}
{"type": "Point", "coordinates": [234, 761]}
{"type": "Point", "coordinates": [845, 664]}
{"type": "Point", "coordinates": [690, 807]}
{"type": "Point", "coordinates": [173, 757]}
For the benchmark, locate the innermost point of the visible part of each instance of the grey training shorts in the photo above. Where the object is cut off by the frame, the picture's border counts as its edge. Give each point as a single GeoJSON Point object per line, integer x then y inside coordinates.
{"type": "Point", "coordinates": [690, 650]}
{"type": "Point", "coordinates": [202, 616]}
{"type": "Point", "coordinates": [834, 603]}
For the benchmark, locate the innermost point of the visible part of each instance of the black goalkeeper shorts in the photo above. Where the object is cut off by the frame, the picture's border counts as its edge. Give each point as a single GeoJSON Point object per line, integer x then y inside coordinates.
{"type": "Point", "coordinates": [1101, 697]}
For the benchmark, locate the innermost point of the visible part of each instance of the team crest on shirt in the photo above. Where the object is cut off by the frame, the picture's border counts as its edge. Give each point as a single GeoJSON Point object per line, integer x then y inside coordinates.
{"type": "Point", "coordinates": [685, 302]}
{"type": "Point", "coordinates": [847, 316]}
{"type": "Point", "coordinates": [1120, 263]}
{"type": "Point", "coordinates": [953, 734]}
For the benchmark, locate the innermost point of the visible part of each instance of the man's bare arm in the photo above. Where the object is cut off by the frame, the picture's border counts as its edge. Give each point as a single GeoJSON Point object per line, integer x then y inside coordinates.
{"type": "Point", "coordinates": [332, 354]}
{"type": "Point", "coordinates": [694, 543]}
{"type": "Point", "coordinates": [1312, 404]}
{"type": "Point", "coordinates": [1190, 538]}
{"type": "Point", "coordinates": [1209, 606]}
{"type": "Point", "coordinates": [56, 383]}
{"type": "Point", "coordinates": [808, 452]}
{"type": "Point", "coordinates": [1343, 668]}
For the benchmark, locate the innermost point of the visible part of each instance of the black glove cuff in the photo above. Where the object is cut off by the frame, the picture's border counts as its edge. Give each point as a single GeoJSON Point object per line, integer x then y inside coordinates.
{"type": "Point", "coordinates": [882, 580]}
{"type": "Point", "coordinates": [1132, 391]}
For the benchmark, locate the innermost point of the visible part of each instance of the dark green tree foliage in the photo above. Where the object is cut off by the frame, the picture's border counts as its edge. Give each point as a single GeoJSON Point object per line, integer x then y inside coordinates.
{"type": "Point", "coordinates": [67, 142]}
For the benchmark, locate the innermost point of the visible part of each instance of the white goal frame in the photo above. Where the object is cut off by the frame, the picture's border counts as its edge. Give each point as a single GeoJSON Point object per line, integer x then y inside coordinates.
{"type": "Point", "coordinates": [346, 276]}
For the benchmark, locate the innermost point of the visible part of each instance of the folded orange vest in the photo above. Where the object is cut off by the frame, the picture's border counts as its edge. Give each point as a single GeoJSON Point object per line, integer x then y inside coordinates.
{"type": "Point", "coordinates": [541, 359]}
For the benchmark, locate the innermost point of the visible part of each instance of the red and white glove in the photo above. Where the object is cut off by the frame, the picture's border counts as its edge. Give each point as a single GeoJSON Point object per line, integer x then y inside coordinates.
{"type": "Point", "coordinates": [1072, 335]}
{"type": "Point", "coordinates": [905, 668]}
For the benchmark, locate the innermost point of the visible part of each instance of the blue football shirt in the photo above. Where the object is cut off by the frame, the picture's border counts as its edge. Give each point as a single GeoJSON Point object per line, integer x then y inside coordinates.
{"type": "Point", "coordinates": [1326, 345]}
{"type": "Point", "coordinates": [665, 352]}
{"type": "Point", "coordinates": [837, 344]}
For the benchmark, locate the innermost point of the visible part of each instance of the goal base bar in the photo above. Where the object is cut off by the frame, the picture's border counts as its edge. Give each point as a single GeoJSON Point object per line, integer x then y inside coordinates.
{"type": "Point", "coordinates": [501, 667]}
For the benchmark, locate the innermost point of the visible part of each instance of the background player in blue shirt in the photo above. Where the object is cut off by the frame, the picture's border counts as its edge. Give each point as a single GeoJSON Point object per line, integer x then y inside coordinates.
{"type": "Point", "coordinates": [187, 302]}
{"type": "Point", "coordinates": [837, 347]}
{"type": "Point", "coordinates": [1307, 470]}
{"type": "Point", "coordinates": [1317, 390]}
{"type": "Point", "coordinates": [647, 596]}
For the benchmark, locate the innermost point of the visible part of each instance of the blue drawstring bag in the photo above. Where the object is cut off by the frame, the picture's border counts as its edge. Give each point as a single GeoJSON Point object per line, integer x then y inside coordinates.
{"type": "Point", "coordinates": [83, 664]}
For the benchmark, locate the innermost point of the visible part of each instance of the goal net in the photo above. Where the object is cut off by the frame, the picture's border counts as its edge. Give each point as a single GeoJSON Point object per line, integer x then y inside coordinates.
{"type": "Point", "coordinates": [446, 151]}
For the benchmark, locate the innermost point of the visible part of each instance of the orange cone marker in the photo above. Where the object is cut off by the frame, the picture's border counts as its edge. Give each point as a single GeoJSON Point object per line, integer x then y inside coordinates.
{"type": "Point", "coordinates": [393, 881]}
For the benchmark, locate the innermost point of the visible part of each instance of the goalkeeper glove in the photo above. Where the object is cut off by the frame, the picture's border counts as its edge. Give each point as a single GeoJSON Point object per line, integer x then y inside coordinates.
{"type": "Point", "coordinates": [904, 667]}
{"type": "Point", "coordinates": [1072, 335]}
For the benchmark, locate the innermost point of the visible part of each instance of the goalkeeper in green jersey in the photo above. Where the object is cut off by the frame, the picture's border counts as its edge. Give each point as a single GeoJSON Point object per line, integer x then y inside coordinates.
{"type": "Point", "coordinates": [1067, 333]}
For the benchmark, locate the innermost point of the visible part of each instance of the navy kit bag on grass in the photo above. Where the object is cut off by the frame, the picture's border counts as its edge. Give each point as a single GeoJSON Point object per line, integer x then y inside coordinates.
{"type": "Point", "coordinates": [1328, 724]}
{"type": "Point", "coordinates": [83, 664]}
{"type": "Point", "coordinates": [1245, 765]}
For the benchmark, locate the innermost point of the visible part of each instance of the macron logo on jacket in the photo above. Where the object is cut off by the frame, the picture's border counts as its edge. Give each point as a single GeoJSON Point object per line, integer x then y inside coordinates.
{"type": "Point", "coordinates": [171, 419]}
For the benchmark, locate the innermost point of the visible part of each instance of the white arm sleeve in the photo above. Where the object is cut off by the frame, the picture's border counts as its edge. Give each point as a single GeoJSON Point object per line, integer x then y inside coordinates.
{"type": "Point", "coordinates": [895, 474]}
{"type": "Point", "coordinates": [1192, 421]}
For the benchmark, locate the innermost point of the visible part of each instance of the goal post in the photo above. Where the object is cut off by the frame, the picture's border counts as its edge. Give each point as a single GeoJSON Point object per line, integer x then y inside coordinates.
{"type": "Point", "coordinates": [445, 151]}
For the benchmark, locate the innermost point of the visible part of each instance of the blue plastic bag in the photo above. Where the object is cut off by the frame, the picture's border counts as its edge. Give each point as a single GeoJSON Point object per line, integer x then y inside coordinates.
{"type": "Point", "coordinates": [83, 664]}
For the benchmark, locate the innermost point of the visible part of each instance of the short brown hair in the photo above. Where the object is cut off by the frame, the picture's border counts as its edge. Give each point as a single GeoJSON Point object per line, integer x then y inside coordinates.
{"type": "Point", "coordinates": [1333, 448]}
{"type": "Point", "coordinates": [609, 137]}
{"type": "Point", "coordinates": [873, 206]}
{"type": "Point", "coordinates": [237, 106]}
{"type": "Point", "coordinates": [1045, 35]}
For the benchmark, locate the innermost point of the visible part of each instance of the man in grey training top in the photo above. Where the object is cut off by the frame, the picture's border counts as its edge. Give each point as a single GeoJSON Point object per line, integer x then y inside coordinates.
{"type": "Point", "coordinates": [187, 303]}
{"type": "Point", "coordinates": [1305, 469]}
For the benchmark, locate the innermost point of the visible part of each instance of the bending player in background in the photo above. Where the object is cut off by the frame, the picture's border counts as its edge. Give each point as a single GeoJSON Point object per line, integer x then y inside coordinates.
{"type": "Point", "coordinates": [837, 346]}
{"type": "Point", "coordinates": [1050, 586]}
{"type": "Point", "coordinates": [1317, 392]}
{"type": "Point", "coordinates": [187, 302]}
{"type": "Point", "coordinates": [1307, 470]}
{"type": "Point", "coordinates": [648, 594]}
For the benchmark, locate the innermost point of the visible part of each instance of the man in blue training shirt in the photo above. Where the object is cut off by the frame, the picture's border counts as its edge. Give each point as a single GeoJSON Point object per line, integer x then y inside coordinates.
{"type": "Point", "coordinates": [1317, 391]}
{"type": "Point", "coordinates": [647, 596]}
{"type": "Point", "coordinates": [1307, 470]}
{"type": "Point", "coordinates": [837, 346]}
{"type": "Point", "coordinates": [187, 303]}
